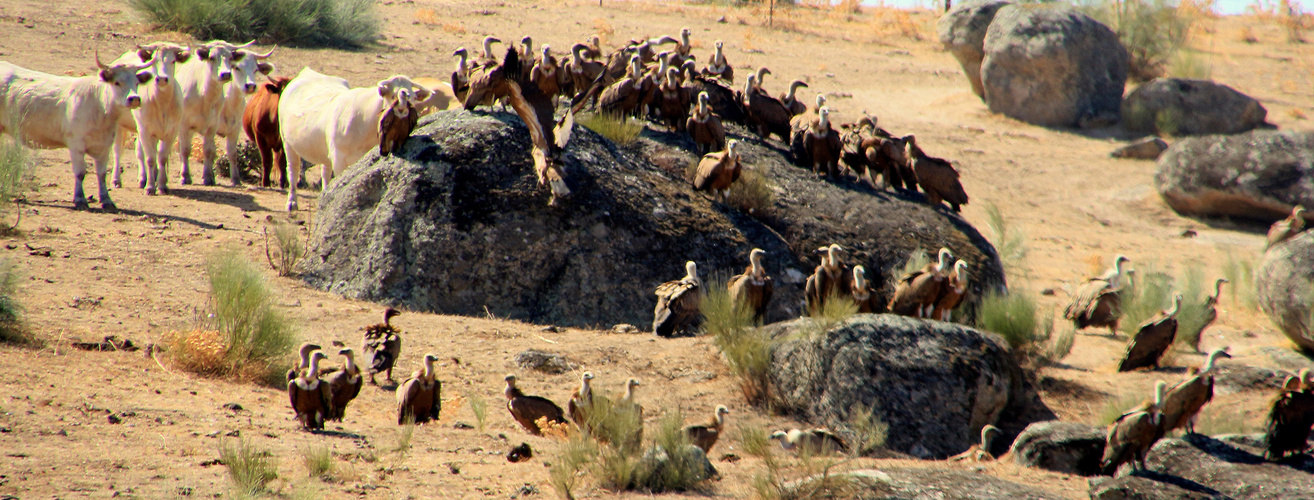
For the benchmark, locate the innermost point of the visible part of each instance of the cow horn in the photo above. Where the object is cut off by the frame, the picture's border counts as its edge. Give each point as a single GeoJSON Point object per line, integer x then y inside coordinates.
{"type": "Point", "coordinates": [245, 45]}
{"type": "Point", "coordinates": [99, 64]}
{"type": "Point", "coordinates": [265, 55]}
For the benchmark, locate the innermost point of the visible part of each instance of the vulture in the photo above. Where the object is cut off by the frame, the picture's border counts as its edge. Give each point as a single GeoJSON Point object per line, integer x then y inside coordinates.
{"type": "Point", "coordinates": [705, 127]}
{"type": "Point", "coordinates": [682, 46]}
{"type": "Point", "coordinates": [548, 137]}
{"type": "Point", "coordinates": [626, 96]}
{"type": "Point", "coordinates": [528, 410]}
{"type": "Point", "coordinates": [862, 296]}
{"type": "Point", "coordinates": [382, 345]}
{"type": "Point", "coordinates": [813, 441]}
{"type": "Point", "coordinates": [1290, 418]}
{"type": "Point", "coordinates": [827, 280]}
{"type": "Point", "coordinates": [725, 102]}
{"type": "Point", "coordinates": [461, 74]}
{"type": "Point", "coordinates": [917, 292]}
{"type": "Point", "coordinates": [311, 399]}
{"type": "Point", "coordinates": [704, 436]}
{"type": "Point", "coordinates": [878, 151]}
{"type": "Point", "coordinates": [1210, 315]}
{"type": "Point", "coordinates": [633, 411]}
{"type": "Point", "coordinates": [344, 384]}
{"type": "Point", "coordinates": [672, 100]}
{"type": "Point", "coordinates": [304, 360]}
{"type": "Point", "coordinates": [1281, 230]}
{"type": "Point", "coordinates": [795, 106]}
{"type": "Point", "coordinates": [546, 74]}
{"type": "Point", "coordinates": [799, 125]}
{"type": "Point", "coordinates": [581, 73]}
{"type": "Point", "coordinates": [396, 130]}
{"type": "Point", "coordinates": [936, 176]}
{"type": "Point", "coordinates": [752, 289]}
{"type": "Point", "coordinates": [766, 115]}
{"type": "Point", "coordinates": [1098, 303]}
{"type": "Point", "coordinates": [419, 399]}
{"type": "Point", "coordinates": [487, 58]}
{"type": "Point", "coordinates": [823, 145]}
{"type": "Point", "coordinates": [718, 67]}
{"type": "Point", "coordinates": [580, 405]}
{"type": "Point", "coordinates": [1152, 340]}
{"type": "Point", "coordinates": [593, 50]}
{"type": "Point", "coordinates": [979, 452]}
{"type": "Point", "coordinates": [678, 303]}
{"type": "Point", "coordinates": [953, 293]}
{"type": "Point", "coordinates": [1133, 433]}
{"type": "Point", "coordinates": [718, 171]}
{"type": "Point", "coordinates": [1183, 402]}
{"type": "Point", "coordinates": [527, 54]}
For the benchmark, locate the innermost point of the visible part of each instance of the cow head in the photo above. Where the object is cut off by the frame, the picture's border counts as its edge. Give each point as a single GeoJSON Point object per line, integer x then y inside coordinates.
{"type": "Point", "coordinates": [163, 56]}
{"type": "Point", "coordinates": [219, 56]}
{"type": "Point", "coordinates": [248, 63]}
{"type": "Point", "coordinates": [124, 79]}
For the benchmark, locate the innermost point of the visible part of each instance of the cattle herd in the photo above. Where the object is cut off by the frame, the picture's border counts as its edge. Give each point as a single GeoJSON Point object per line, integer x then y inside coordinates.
{"type": "Point", "coordinates": [166, 93]}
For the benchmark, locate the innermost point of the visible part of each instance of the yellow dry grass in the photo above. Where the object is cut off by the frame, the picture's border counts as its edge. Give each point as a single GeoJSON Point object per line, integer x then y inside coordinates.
{"type": "Point", "coordinates": [428, 16]}
{"type": "Point", "coordinates": [198, 351]}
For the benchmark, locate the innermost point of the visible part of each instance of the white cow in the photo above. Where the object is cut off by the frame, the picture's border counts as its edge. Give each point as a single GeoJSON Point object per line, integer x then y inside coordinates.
{"type": "Point", "coordinates": [326, 122]}
{"type": "Point", "coordinates": [81, 114]}
{"type": "Point", "coordinates": [246, 64]}
{"type": "Point", "coordinates": [202, 79]}
{"type": "Point", "coordinates": [159, 118]}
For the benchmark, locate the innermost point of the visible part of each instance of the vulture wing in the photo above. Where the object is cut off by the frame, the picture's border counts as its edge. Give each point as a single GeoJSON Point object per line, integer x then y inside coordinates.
{"type": "Point", "coordinates": [407, 395]}
{"type": "Point", "coordinates": [1149, 344]}
{"type": "Point", "coordinates": [1289, 422]}
{"type": "Point", "coordinates": [709, 168]}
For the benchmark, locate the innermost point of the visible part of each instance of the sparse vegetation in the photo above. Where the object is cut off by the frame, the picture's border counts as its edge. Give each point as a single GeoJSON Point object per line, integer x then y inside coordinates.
{"type": "Point", "coordinates": [619, 129]}
{"type": "Point", "coordinates": [249, 468]}
{"type": "Point", "coordinates": [917, 259]}
{"type": "Point", "coordinates": [1191, 64]}
{"type": "Point", "coordinates": [838, 307]}
{"type": "Point", "coordinates": [1015, 317]}
{"type": "Point", "coordinates": [479, 407]}
{"type": "Point", "coordinates": [1010, 242]}
{"type": "Point", "coordinates": [1191, 316]}
{"type": "Point", "coordinates": [1114, 408]}
{"type": "Point", "coordinates": [16, 165]}
{"type": "Point", "coordinates": [615, 461]}
{"type": "Point", "coordinates": [1150, 292]}
{"type": "Point", "coordinates": [752, 193]}
{"type": "Point", "coordinates": [747, 350]}
{"type": "Point", "coordinates": [1151, 30]}
{"type": "Point", "coordinates": [290, 248]}
{"type": "Point", "coordinates": [869, 431]}
{"type": "Point", "coordinates": [332, 23]}
{"type": "Point", "coordinates": [1241, 273]}
{"type": "Point", "coordinates": [681, 470]}
{"type": "Point", "coordinates": [12, 329]}
{"type": "Point", "coordinates": [318, 460]}
{"type": "Point", "coordinates": [1215, 420]}
{"type": "Point", "coordinates": [404, 435]}
{"type": "Point", "coordinates": [244, 336]}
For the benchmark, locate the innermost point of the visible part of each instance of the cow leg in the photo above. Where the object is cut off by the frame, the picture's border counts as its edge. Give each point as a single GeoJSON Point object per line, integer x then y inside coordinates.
{"type": "Point", "coordinates": [144, 153]}
{"type": "Point", "coordinates": [185, 154]}
{"type": "Point", "coordinates": [102, 163]}
{"type": "Point", "coordinates": [118, 165]}
{"type": "Point", "coordinates": [280, 162]}
{"type": "Point", "coordinates": [266, 159]}
{"type": "Point", "coordinates": [162, 166]}
{"type": "Point", "coordinates": [207, 169]}
{"type": "Point", "coordinates": [293, 172]}
{"type": "Point", "coordinates": [149, 162]}
{"type": "Point", "coordinates": [78, 159]}
{"type": "Point", "coordinates": [234, 170]}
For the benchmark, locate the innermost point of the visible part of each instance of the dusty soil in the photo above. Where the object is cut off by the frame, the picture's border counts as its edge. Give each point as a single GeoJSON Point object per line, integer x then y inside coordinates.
{"type": "Point", "coordinates": [138, 273]}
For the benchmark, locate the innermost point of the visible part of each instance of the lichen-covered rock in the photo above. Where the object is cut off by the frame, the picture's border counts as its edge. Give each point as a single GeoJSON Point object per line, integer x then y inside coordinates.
{"type": "Point", "coordinates": [962, 30]}
{"type": "Point", "coordinates": [543, 361]}
{"type": "Point", "coordinates": [1142, 488]}
{"type": "Point", "coordinates": [922, 484]}
{"type": "Point", "coordinates": [455, 223]}
{"type": "Point", "coordinates": [935, 384]}
{"type": "Point", "coordinates": [1053, 66]}
{"type": "Point", "coordinates": [1284, 283]}
{"type": "Point", "coordinates": [1148, 148]}
{"type": "Point", "coordinates": [1257, 175]}
{"type": "Point", "coordinates": [1178, 106]}
{"type": "Point", "coordinates": [1067, 447]}
{"type": "Point", "coordinates": [1231, 466]}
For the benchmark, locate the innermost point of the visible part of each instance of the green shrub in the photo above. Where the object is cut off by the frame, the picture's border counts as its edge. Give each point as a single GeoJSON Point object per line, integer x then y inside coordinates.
{"type": "Point", "coordinates": [479, 407]}
{"type": "Point", "coordinates": [332, 23]}
{"type": "Point", "coordinates": [747, 350]}
{"type": "Point", "coordinates": [619, 129]}
{"type": "Point", "coordinates": [1151, 30]}
{"type": "Point", "coordinates": [318, 460]}
{"type": "Point", "coordinates": [249, 468]}
{"type": "Point", "coordinates": [1241, 275]}
{"type": "Point", "coordinates": [868, 430]}
{"type": "Point", "coordinates": [681, 471]}
{"type": "Point", "coordinates": [12, 328]}
{"type": "Point", "coordinates": [838, 307]}
{"type": "Point", "coordinates": [1014, 317]}
{"type": "Point", "coordinates": [16, 169]}
{"type": "Point", "coordinates": [1148, 293]}
{"type": "Point", "coordinates": [577, 453]}
{"type": "Point", "coordinates": [917, 259]}
{"type": "Point", "coordinates": [1010, 243]}
{"type": "Point", "coordinates": [291, 249]}
{"type": "Point", "coordinates": [752, 194]}
{"type": "Point", "coordinates": [1115, 407]}
{"type": "Point", "coordinates": [1191, 64]}
{"type": "Point", "coordinates": [1191, 316]}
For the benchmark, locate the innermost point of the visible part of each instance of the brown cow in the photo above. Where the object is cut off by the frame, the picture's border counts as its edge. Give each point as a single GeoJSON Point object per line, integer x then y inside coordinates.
{"type": "Point", "coordinates": [260, 121]}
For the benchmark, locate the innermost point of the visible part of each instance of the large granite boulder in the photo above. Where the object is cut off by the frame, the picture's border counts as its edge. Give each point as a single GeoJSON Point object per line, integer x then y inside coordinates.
{"type": "Point", "coordinates": [934, 384]}
{"type": "Point", "coordinates": [1257, 175]}
{"type": "Point", "coordinates": [1051, 65]}
{"type": "Point", "coordinates": [1284, 283]}
{"type": "Point", "coordinates": [1143, 488]}
{"type": "Point", "coordinates": [1178, 106]}
{"type": "Point", "coordinates": [962, 30]}
{"type": "Point", "coordinates": [455, 223]}
{"type": "Point", "coordinates": [1067, 447]}
{"type": "Point", "coordinates": [916, 484]}
{"type": "Point", "coordinates": [1230, 466]}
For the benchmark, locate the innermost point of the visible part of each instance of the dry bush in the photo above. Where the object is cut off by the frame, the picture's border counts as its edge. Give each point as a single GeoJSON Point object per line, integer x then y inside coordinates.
{"type": "Point", "coordinates": [619, 129]}
{"type": "Point", "coordinates": [17, 166]}
{"type": "Point", "coordinates": [198, 351]}
{"type": "Point", "coordinates": [1296, 113]}
{"type": "Point", "coordinates": [454, 28]}
{"type": "Point", "coordinates": [318, 460]}
{"type": "Point", "coordinates": [1009, 242]}
{"type": "Point", "coordinates": [747, 350]}
{"type": "Point", "coordinates": [1115, 407]}
{"type": "Point", "coordinates": [428, 16]}
{"type": "Point", "coordinates": [892, 22]}
{"type": "Point", "coordinates": [1015, 317]}
{"type": "Point", "coordinates": [917, 259]}
{"type": "Point", "coordinates": [1191, 64]}
{"type": "Point", "coordinates": [1151, 30]}
{"type": "Point", "coordinates": [1240, 272]}
{"type": "Point", "coordinates": [290, 248]}
{"type": "Point", "coordinates": [479, 407]}
{"type": "Point", "coordinates": [752, 193]}
{"type": "Point", "coordinates": [249, 468]}
{"type": "Point", "coordinates": [1247, 36]}
{"type": "Point", "coordinates": [12, 328]}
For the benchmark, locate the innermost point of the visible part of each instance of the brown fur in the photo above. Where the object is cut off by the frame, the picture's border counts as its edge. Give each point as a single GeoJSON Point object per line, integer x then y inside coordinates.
{"type": "Point", "coordinates": [260, 122]}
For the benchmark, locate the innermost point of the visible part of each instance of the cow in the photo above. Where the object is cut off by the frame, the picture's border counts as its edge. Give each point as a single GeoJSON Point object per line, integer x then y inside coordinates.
{"type": "Point", "coordinates": [81, 114]}
{"type": "Point", "coordinates": [202, 79]}
{"type": "Point", "coordinates": [260, 122]}
{"type": "Point", "coordinates": [157, 121]}
{"type": "Point", "coordinates": [325, 121]}
{"type": "Point", "coordinates": [246, 64]}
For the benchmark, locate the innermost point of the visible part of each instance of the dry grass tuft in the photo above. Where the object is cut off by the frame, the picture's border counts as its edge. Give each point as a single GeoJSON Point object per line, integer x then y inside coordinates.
{"type": "Point", "coordinates": [249, 468]}
{"type": "Point", "coordinates": [1246, 35]}
{"type": "Point", "coordinates": [1296, 113]}
{"type": "Point", "coordinates": [479, 407]}
{"type": "Point", "coordinates": [428, 16]}
{"type": "Point", "coordinates": [1115, 407]}
{"type": "Point", "coordinates": [290, 248]}
{"type": "Point", "coordinates": [12, 328]}
{"type": "Point", "coordinates": [620, 130]}
{"type": "Point", "coordinates": [747, 350]}
{"type": "Point", "coordinates": [318, 461]}
{"type": "Point", "coordinates": [752, 193]}
{"type": "Point", "coordinates": [454, 28]}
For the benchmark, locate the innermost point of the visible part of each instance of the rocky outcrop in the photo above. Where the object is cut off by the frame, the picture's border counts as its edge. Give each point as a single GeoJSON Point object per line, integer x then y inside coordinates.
{"type": "Point", "coordinates": [1067, 447]}
{"type": "Point", "coordinates": [919, 484]}
{"type": "Point", "coordinates": [934, 384]}
{"type": "Point", "coordinates": [455, 223]}
{"type": "Point", "coordinates": [1258, 175]}
{"type": "Point", "coordinates": [1230, 467]}
{"type": "Point", "coordinates": [1148, 148]}
{"type": "Point", "coordinates": [1052, 65]}
{"type": "Point", "coordinates": [1143, 488]}
{"type": "Point", "coordinates": [546, 362]}
{"type": "Point", "coordinates": [1178, 106]}
{"type": "Point", "coordinates": [962, 30]}
{"type": "Point", "coordinates": [1284, 283]}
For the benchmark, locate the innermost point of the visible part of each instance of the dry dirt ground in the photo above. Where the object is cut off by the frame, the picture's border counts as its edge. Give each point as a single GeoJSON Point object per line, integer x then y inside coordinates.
{"type": "Point", "coordinates": [138, 273]}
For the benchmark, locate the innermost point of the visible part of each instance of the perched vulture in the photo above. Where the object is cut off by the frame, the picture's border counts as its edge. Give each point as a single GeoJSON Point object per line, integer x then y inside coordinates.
{"type": "Point", "coordinates": [527, 54]}
{"type": "Point", "coordinates": [718, 171]}
{"type": "Point", "coordinates": [916, 293]}
{"type": "Point", "coordinates": [705, 127]}
{"type": "Point", "coordinates": [1290, 419]}
{"type": "Point", "coordinates": [799, 126]}
{"type": "Point", "coordinates": [593, 49]}
{"type": "Point", "coordinates": [823, 145]}
{"type": "Point", "coordinates": [953, 293]}
{"type": "Point", "coordinates": [753, 288]}
{"type": "Point", "coordinates": [979, 452]}
{"type": "Point", "coordinates": [672, 100]}
{"type": "Point", "coordinates": [303, 361]}
{"type": "Point", "coordinates": [1097, 303]}
{"type": "Point", "coordinates": [795, 106]}
{"type": "Point", "coordinates": [766, 115]}
{"type": "Point", "coordinates": [1210, 315]}
{"type": "Point", "coordinates": [678, 303]}
{"type": "Point", "coordinates": [461, 74]}
{"type": "Point", "coordinates": [394, 130]}
{"type": "Point", "coordinates": [1133, 433]}
{"type": "Point", "coordinates": [344, 384]}
{"type": "Point", "coordinates": [382, 345]}
{"type": "Point", "coordinates": [631, 410]}
{"type": "Point", "coordinates": [718, 67]}
{"type": "Point", "coordinates": [862, 296]}
{"type": "Point", "coordinates": [705, 436]}
{"type": "Point", "coordinates": [936, 176]}
{"type": "Point", "coordinates": [813, 441]}
{"type": "Point", "coordinates": [1286, 228]}
{"type": "Point", "coordinates": [1152, 340]}
{"type": "Point", "coordinates": [527, 410]}
{"type": "Point", "coordinates": [580, 405]}
{"type": "Point", "coordinates": [310, 397]}
{"type": "Point", "coordinates": [1183, 402]}
{"type": "Point", "coordinates": [827, 280]}
{"type": "Point", "coordinates": [486, 58]}
{"type": "Point", "coordinates": [581, 73]}
{"type": "Point", "coordinates": [419, 399]}
{"type": "Point", "coordinates": [546, 74]}
{"type": "Point", "coordinates": [627, 95]}
{"type": "Point", "coordinates": [726, 102]}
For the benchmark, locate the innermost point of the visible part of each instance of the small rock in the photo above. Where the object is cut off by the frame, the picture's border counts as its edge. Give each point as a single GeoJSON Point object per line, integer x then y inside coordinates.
{"type": "Point", "coordinates": [520, 453]}
{"type": "Point", "coordinates": [462, 426]}
{"type": "Point", "coordinates": [454, 468]}
{"type": "Point", "coordinates": [232, 407]}
{"type": "Point", "coordinates": [1048, 292]}
{"type": "Point", "coordinates": [212, 461]}
{"type": "Point", "coordinates": [114, 419]}
{"type": "Point", "coordinates": [1148, 148]}
{"type": "Point", "coordinates": [1189, 233]}
{"type": "Point", "coordinates": [625, 328]}
{"type": "Point", "coordinates": [1067, 447]}
{"type": "Point", "coordinates": [544, 361]}
{"type": "Point", "coordinates": [730, 457]}
{"type": "Point", "coordinates": [721, 19]}
{"type": "Point", "coordinates": [549, 329]}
